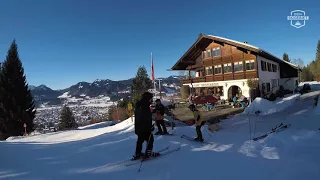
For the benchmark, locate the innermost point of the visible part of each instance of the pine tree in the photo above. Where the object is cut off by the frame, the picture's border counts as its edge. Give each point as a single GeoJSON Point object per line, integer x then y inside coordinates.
{"type": "Point", "coordinates": [317, 62]}
{"type": "Point", "coordinates": [318, 51]}
{"type": "Point", "coordinates": [2, 122]}
{"type": "Point", "coordinates": [16, 100]}
{"type": "Point", "coordinates": [306, 74]}
{"type": "Point", "coordinates": [314, 66]}
{"type": "Point", "coordinates": [285, 57]}
{"type": "Point", "coordinates": [67, 120]}
{"type": "Point", "coordinates": [141, 83]}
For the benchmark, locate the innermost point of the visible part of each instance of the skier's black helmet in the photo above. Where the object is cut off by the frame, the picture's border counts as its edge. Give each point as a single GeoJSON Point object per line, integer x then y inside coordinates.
{"type": "Point", "coordinates": [146, 97]}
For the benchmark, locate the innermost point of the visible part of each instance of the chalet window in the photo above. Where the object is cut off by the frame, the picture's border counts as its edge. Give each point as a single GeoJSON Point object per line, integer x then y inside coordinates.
{"type": "Point", "coordinates": [197, 74]}
{"type": "Point", "coordinates": [216, 52]}
{"type": "Point", "coordinates": [227, 68]}
{"type": "Point", "coordinates": [263, 87]}
{"type": "Point", "coordinates": [218, 69]}
{"type": "Point", "coordinates": [263, 66]}
{"type": "Point", "coordinates": [268, 87]}
{"type": "Point", "coordinates": [250, 65]}
{"type": "Point", "coordinates": [274, 83]}
{"type": "Point", "coordinates": [238, 66]}
{"type": "Point", "coordinates": [274, 68]}
{"type": "Point", "coordinates": [209, 70]}
{"type": "Point", "coordinates": [269, 67]}
{"type": "Point", "coordinates": [207, 53]}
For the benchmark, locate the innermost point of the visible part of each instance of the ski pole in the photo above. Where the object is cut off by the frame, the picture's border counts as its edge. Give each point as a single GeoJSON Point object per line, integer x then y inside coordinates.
{"type": "Point", "coordinates": [147, 148]}
{"type": "Point", "coordinates": [207, 132]}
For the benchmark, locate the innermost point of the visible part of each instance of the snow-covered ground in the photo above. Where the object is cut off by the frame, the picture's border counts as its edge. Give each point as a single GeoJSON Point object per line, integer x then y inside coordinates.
{"type": "Point", "coordinates": [87, 153]}
{"type": "Point", "coordinates": [266, 107]}
{"type": "Point", "coordinates": [315, 85]}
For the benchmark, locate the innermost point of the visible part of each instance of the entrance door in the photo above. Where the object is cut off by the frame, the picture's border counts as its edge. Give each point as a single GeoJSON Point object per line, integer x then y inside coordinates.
{"type": "Point", "coordinates": [234, 91]}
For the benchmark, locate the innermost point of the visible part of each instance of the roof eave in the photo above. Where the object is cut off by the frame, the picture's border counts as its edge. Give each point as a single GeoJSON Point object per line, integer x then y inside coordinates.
{"type": "Point", "coordinates": [174, 67]}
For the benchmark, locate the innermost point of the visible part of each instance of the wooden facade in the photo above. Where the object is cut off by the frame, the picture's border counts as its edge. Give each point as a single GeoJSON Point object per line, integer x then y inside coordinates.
{"type": "Point", "coordinates": [228, 60]}
{"type": "Point", "coordinates": [228, 54]}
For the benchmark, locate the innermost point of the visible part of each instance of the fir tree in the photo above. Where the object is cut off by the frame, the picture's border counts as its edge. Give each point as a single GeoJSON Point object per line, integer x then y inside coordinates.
{"type": "Point", "coordinates": [16, 101]}
{"type": "Point", "coordinates": [285, 57]}
{"type": "Point", "coordinates": [67, 120]}
{"type": "Point", "coordinates": [306, 74]}
{"type": "Point", "coordinates": [317, 62]}
{"type": "Point", "coordinates": [318, 51]}
{"type": "Point", "coordinates": [141, 83]}
{"type": "Point", "coordinates": [2, 122]}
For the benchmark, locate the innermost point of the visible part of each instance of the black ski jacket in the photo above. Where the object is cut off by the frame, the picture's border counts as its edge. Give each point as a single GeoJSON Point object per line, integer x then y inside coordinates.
{"type": "Point", "coordinates": [159, 108]}
{"type": "Point", "coordinates": [143, 118]}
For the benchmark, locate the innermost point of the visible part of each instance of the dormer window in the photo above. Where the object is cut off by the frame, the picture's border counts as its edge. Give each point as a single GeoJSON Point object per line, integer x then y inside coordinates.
{"type": "Point", "coordinates": [216, 52]}
{"type": "Point", "coordinates": [207, 53]}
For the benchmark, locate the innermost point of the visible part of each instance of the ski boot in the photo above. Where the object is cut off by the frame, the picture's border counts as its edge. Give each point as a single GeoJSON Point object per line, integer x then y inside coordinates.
{"type": "Point", "coordinates": [150, 154]}
{"type": "Point", "coordinates": [158, 133]}
{"type": "Point", "coordinates": [137, 156]}
{"type": "Point", "coordinates": [198, 139]}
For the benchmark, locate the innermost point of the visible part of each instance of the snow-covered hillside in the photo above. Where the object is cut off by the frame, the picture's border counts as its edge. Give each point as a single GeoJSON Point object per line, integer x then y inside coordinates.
{"type": "Point", "coordinates": [88, 153]}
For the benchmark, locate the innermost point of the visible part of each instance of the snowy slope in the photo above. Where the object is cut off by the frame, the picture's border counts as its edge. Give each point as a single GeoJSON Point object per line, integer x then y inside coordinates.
{"type": "Point", "coordinates": [268, 107]}
{"type": "Point", "coordinates": [86, 153]}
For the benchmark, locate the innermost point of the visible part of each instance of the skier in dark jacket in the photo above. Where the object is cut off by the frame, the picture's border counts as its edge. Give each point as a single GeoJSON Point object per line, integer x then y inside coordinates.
{"type": "Point", "coordinates": [144, 127]}
{"type": "Point", "coordinates": [159, 110]}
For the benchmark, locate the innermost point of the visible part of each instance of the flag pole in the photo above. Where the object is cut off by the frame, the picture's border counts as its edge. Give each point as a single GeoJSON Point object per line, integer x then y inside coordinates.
{"type": "Point", "coordinates": [152, 75]}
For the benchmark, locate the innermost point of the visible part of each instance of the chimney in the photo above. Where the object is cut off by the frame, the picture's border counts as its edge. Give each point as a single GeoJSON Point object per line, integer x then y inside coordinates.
{"type": "Point", "coordinates": [245, 42]}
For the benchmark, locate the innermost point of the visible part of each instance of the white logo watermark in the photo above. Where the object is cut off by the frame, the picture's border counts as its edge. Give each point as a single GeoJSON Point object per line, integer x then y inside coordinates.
{"type": "Point", "coordinates": [298, 18]}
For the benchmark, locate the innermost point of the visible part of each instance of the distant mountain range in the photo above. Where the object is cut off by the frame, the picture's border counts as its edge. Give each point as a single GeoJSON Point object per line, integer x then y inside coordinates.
{"type": "Point", "coordinates": [113, 89]}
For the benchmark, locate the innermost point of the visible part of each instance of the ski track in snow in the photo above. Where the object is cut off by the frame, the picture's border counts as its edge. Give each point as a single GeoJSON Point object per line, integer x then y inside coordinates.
{"type": "Point", "coordinates": [89, 153]}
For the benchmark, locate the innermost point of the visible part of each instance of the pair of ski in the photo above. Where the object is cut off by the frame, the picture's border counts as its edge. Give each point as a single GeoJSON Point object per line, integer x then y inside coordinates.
{"type": "Point", "coordinates": [192, 139]}
{"type": "Point", "coordinates": [163, 152]}
{"type": "Point", "coordinates": [130, 162]}
{"type": "Point", "coordinates": [169, 134]}
{"type": "Point", "coordinates": [278, 128]}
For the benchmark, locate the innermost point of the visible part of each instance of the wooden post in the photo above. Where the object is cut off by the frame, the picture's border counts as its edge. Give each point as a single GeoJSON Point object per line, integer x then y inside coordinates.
{"type": "Point", "coordinates": [160, 88]}
{"type": "Point", "coordinates": [130, 110]}
{"type": "Point", "coordinates": [118, 114]}
{"type": "Point", "coordinates": [25, 128]}
{"type": "Point", "coordinates": [117, 111]}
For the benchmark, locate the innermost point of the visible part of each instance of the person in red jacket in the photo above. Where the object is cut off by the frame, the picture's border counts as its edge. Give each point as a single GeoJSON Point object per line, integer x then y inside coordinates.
{"type": "Point", "coordinates": [159, 110]}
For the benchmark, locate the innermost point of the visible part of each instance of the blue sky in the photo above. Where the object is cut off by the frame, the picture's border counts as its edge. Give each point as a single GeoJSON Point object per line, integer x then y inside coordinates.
{"type": "Point", "coordinates": [62, 42]}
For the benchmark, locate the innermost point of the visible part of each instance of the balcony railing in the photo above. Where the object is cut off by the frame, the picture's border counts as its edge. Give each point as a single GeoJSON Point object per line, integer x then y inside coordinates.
{"type": "Point", "coordinates": [194, 80]}
{"type": "Point", "coordinates": [222, 77]}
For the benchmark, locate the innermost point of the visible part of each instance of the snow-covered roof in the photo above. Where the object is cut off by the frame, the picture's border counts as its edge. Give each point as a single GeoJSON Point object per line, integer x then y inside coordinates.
{"type": "Point", "coordinates": [238, 42]}
{"type": "Point", "coordinates": [251, 46]}
{"type": "Point", "coordinates": [204, 40]}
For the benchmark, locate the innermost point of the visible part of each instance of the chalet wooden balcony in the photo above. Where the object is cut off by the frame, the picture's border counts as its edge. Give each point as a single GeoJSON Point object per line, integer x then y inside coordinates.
{"type": "Point", "coordinates": [194, 80]}
{"type": "Point", "coordinates": [222, 77]}
{"type": "Point", "coordinates": [228, 58]}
